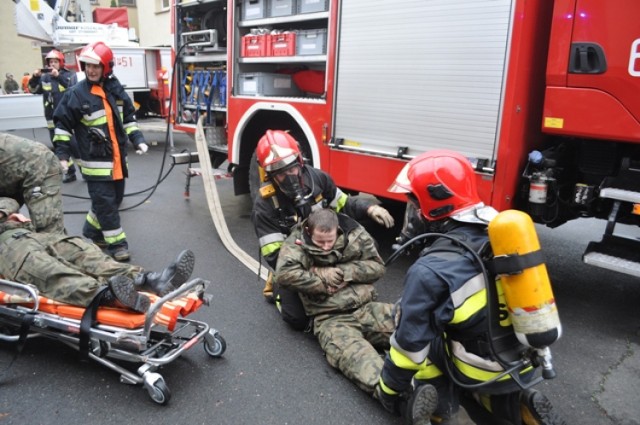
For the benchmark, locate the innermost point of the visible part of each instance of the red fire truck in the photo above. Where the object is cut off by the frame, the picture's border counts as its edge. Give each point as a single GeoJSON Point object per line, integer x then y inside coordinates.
{"type": "Point", "coordinates": [540, 95]}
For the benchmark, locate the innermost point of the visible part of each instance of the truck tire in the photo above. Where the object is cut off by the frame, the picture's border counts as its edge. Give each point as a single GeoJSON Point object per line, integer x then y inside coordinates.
{"type": "Point", "coordinates": [254, 177]}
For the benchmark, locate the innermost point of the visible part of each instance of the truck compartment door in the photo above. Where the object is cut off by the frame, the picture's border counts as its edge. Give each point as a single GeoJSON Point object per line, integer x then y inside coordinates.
{"type": "Point", "coordinates": [415, 75]}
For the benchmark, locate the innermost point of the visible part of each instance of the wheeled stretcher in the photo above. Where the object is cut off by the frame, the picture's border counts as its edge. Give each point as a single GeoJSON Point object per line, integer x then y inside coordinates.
{"type": "Point", "coordinates": [152, 339]}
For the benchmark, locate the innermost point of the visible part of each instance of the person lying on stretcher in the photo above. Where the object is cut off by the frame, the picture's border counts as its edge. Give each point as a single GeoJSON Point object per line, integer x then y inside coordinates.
{"type": "Point", "coordinates": [71, 270]}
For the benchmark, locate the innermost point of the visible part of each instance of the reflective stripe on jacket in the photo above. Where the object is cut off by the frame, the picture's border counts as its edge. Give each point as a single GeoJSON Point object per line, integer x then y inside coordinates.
{"type": "Point", "coordinates": [444, 294]}
{"type": "Point", "coordinates": [274, 217]}
{"type": "Point", "coordinates": [52, 89]}
{"type": "Point", "coordinates": [79, 111]}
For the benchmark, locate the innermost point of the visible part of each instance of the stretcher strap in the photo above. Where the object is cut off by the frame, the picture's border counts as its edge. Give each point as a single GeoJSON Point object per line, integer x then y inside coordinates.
{"type": "Point", "coordinates": [87, 321]}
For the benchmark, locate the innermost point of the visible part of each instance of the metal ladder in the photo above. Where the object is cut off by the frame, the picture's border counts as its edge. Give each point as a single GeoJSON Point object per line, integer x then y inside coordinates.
{"type": "Point", "coordinates": [616, 252]}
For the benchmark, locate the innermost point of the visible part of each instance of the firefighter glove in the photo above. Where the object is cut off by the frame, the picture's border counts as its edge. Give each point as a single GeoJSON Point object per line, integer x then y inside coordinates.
{"type": "Point", "coordinates": [331, 276]}
{"type": "Point", "coordinates": [65, 165]}
{"type": "Point", "coordinates": [381, 216]}
{"type": "Point", "coordinates": [142, 148]}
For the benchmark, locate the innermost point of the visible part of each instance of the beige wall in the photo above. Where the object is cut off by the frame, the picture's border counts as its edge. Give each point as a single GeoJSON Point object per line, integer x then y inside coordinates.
{"type": "Point", "coordinates": [19, 54]}
{"type": "Point", "coordinates": [154, 23]}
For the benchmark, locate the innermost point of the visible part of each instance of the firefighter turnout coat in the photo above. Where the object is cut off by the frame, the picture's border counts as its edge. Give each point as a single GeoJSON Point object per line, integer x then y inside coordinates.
{"type": "Point", "coordinates": [81, 112]}
{"type": "Point", "coordinates": [52, 90]}
{"type": "Point", "coordinates": [445, 299]}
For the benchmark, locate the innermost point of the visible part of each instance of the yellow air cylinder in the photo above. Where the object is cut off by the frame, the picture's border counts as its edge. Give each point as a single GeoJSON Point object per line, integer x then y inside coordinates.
{"type": "Point", "coordinates": [528, 294]}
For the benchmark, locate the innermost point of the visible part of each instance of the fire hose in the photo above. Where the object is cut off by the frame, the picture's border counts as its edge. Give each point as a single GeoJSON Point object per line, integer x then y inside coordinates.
{"type": "Point", "coordinates": [215, 207]}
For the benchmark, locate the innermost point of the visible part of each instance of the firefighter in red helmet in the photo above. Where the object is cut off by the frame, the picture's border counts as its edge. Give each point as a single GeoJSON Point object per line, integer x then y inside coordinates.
{"type": "Point", "coordinates": [52, 82]}
{"type": "Point", "coordinates": [292, 190]}
{"type": "Point", "coordinates": [101, 115]}
{"type": "Point", "coordinates": [452, 331]}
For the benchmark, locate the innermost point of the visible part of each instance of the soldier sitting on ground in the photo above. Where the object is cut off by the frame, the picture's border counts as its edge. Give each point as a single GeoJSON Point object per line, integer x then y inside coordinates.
{"type": "Point", "coordinates": [70, 270]}
{"type": "Point", "coordinates": [332, 262]}
{"type": "Point", "coordinates": [297, 189]}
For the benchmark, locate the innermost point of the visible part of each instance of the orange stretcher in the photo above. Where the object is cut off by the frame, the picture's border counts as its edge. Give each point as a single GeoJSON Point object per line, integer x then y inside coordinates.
{"type": "Point", "coordinates": [151, 339]}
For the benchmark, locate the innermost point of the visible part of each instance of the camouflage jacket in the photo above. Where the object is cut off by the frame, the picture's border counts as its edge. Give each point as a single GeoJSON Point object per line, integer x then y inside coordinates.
{"type": "Point", "coordinates": [9, 206]}
{"type": "Point", "coordinates": [22, 160]}
{"type": "Point", "coordinates": [354, 253]}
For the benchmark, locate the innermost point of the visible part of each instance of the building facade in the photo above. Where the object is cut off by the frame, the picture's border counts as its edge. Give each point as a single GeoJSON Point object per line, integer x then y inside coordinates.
{"type": "Point", "coordinates": [150, 18]}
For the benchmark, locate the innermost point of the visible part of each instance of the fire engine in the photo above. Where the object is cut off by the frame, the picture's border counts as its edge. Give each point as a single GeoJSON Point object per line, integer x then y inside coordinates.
{"type": "Point", "coordinates": [143, 71]}
{"type": "Point", "coordinates": [540, 95]}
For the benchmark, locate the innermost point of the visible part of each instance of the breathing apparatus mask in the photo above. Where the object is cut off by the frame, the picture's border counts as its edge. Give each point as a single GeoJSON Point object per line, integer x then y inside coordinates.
{"type": "Point", "coordinates": [290, 181]}
{"type": "Point", "coordinates": [415, 224]}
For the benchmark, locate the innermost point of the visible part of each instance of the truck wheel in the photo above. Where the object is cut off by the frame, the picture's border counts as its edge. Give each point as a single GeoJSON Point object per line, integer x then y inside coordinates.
{"type": "Point", "coordinates": [254, 177]}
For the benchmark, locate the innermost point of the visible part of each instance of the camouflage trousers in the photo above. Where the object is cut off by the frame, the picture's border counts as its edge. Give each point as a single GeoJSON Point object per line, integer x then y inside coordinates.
{"type": "Point", "coordinates": [352, 341]}
{"type": "Point", "coordinates": [67, 269]}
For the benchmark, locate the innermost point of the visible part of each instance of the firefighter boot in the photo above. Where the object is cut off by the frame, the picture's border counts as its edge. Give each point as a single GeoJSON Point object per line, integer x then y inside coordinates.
{"type": "Point", "coordinates": [390, 402]}
{"type": "Point", "coordinates": [70, 175]}
{"type": "Point", "coordinates": [536, 409]}
{"type": "Point", "coordinates": [172, 277]}
{"type": "Point", "coordinates": [123, 294]}
{"type": "Point", "coordinates": [421, 405]}
{"type": "Point", "coordinates": [119, 252]}
{"type": "Point", "coordinates": [461, 417]}
{"type": "Point", "coordinates": [68, 178]}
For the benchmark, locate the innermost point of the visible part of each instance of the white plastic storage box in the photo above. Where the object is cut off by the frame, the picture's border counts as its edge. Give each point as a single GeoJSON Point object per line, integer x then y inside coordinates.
{"type": "Point", "coordinates": [281, 8]}
{"type": "Point", "coordinates": [310, 6]}
{"type": "Point", "coordinates": [267, 84]}
{"type": "Point", "coordinates": [254, 9]}
{"type": "Point", "coordinates": [311, 42]}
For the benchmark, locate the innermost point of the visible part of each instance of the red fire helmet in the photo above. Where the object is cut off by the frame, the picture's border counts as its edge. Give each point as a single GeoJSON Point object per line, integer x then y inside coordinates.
{"type": "Point", "coordinates": [277, 151]}
{"type": "Point", "coordinates": [443, 182]}
{"type": "Point", "coordinates": [97, 53]}
{"type": "Point", "coordinates": [55, 54]}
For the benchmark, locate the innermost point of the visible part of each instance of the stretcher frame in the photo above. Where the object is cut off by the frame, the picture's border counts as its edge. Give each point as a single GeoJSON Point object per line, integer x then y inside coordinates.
{"type": "Point", "coordinates": [150, 345]}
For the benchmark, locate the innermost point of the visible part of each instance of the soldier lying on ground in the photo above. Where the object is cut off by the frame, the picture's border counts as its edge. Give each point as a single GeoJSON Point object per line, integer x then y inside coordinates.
{"type": "Point", "coordinates": [31, 174]}
{"type": "Point", "coordinates": [331, 262]}
{"type": "Point", "coordinates": [71, 270]}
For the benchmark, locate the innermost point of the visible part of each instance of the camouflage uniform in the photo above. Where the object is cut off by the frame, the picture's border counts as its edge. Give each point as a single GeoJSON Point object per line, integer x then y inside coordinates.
{"type": "Point", "coordinates": [64, 268]}
{"type": "Point", "coordinates": [349, 325]}
{"type": "Point", "coordinates": [31, 174]}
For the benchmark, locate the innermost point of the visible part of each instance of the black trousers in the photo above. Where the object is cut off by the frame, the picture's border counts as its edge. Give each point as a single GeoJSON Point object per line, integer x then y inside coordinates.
{"type": "Point", "coordinates": [291, 309]}
{"type": "Point", "coordinates": [106, 197]}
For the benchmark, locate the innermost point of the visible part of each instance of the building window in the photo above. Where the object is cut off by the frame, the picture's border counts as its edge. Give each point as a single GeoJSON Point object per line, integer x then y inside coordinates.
{"type": "Point", "coordinates": [162, 5]}
{"type": "Point", "coordinates": [131, 3]}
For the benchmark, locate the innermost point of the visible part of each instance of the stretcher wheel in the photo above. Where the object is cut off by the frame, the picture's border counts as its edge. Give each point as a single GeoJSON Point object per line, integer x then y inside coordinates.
{"type": "Point", "coordinates": [214, 344]}
{"type": "Point", "coordinates": [157, 389]}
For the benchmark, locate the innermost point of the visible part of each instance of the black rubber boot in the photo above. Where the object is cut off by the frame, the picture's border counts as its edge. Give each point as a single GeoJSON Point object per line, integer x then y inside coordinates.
{"type": "Point", "coordinates": [536, 409]}
{"type": "Point", "coordinates": [123, 294]}
{"type": "Point", "coordinates": [70, 175]}
{"type": "Point", "coordinates": [170, 278]}
{"type": "Point", "coordinates": [421, 405]}
{"type": "Point", "coordinates": [390, 402]}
